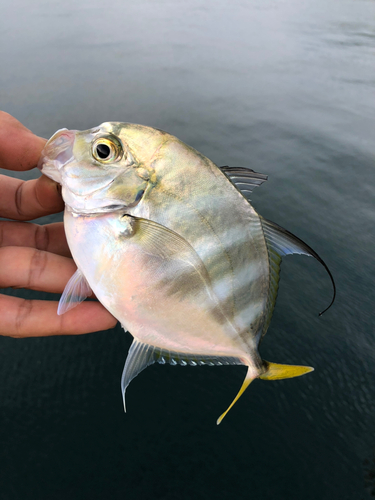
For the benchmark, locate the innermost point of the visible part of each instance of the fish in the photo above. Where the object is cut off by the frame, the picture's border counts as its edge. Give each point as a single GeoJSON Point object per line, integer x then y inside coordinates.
{"type": "Point", "coordinates": [171, 246]}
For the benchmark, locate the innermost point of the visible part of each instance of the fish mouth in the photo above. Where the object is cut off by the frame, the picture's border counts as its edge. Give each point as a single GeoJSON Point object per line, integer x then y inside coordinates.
{"type": "Point", "coordinates": [57, 152]}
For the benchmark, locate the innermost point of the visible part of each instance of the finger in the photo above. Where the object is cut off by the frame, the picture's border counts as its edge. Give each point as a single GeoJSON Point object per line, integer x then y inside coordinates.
{"type": "Point", "coordinates": [50, 237]}
{"type": "Point", "coordinates": [27, 200]}
{"type": "Point", "coordinates": [23, 267]}
{"type": "Point", "coordinates": [38, 318]}
{"type": "Point", "coordinates": [20, 148]}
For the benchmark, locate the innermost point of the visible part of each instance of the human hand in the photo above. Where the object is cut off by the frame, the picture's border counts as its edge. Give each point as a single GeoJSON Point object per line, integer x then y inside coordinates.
{"type": "Point", "coordinates": [34, 256]}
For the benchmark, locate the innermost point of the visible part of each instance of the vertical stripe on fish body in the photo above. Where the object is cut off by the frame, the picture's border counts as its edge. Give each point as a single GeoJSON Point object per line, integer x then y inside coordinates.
{"type": "Point", "coordinates": [195, 199]}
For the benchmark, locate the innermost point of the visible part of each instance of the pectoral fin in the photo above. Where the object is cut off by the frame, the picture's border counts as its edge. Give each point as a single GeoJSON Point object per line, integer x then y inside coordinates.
{"type": "Point", "coordinates": [160, 241]}
{"type": "Point", "coordinates": [77, 289]}
{"type": "Point", "coordinates": [177, 265]}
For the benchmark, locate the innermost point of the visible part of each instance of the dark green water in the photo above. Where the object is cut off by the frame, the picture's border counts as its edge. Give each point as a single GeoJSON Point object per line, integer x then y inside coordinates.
{"type": "Point", "coordinates": [286, 88]}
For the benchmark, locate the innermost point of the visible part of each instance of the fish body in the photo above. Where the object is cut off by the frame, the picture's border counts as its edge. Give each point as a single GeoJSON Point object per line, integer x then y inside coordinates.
{"type": "Point", "coordinates": [171, 246]}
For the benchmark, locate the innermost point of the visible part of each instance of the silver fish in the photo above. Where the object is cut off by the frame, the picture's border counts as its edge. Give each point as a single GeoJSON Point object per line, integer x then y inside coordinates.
{"type": "Point", "coordinates": [171, 246]}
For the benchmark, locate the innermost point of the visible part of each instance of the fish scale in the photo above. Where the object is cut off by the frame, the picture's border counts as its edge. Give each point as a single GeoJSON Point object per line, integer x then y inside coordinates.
{"type": "Point", "coordinates": [171, 246]}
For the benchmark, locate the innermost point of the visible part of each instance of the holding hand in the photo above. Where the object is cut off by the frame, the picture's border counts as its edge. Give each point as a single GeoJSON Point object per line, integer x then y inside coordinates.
{"type": "Point", "coordinates": [33, 256]}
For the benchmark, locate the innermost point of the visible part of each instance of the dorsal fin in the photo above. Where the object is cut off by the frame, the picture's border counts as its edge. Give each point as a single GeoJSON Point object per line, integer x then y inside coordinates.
{"type": "Point", "coordinates": [244, 179]}
{"type": "Point", "coordinates": [281, 242]}
{"type": "Point", "coordinates": [141, 355]}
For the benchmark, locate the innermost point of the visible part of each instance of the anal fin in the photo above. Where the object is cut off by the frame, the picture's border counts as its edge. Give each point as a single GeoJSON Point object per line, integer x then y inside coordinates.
{"type": "Point", "coordinates": [142, 355]}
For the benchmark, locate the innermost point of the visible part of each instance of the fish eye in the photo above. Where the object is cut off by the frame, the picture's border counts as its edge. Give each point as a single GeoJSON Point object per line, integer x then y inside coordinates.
{"type": "Point", "coordinates": [106, 150]}
{"type": "Point", "coordinates": [103, 151]}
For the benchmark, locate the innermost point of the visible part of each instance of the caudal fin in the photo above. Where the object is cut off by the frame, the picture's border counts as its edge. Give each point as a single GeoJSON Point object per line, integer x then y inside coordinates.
{"type": "Point", "coordinates": [272, 371]}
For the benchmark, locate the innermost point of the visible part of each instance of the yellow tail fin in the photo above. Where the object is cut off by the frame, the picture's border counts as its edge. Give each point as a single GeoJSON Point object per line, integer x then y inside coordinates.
{"type": "Point", "coordinates": [248, 379]}
{"type": "Point", "coordinates": [274, 371]}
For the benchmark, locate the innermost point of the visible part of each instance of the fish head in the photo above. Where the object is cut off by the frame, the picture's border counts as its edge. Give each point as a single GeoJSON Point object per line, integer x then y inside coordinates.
{"type": "Point", "coordinates": [104, 168]}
